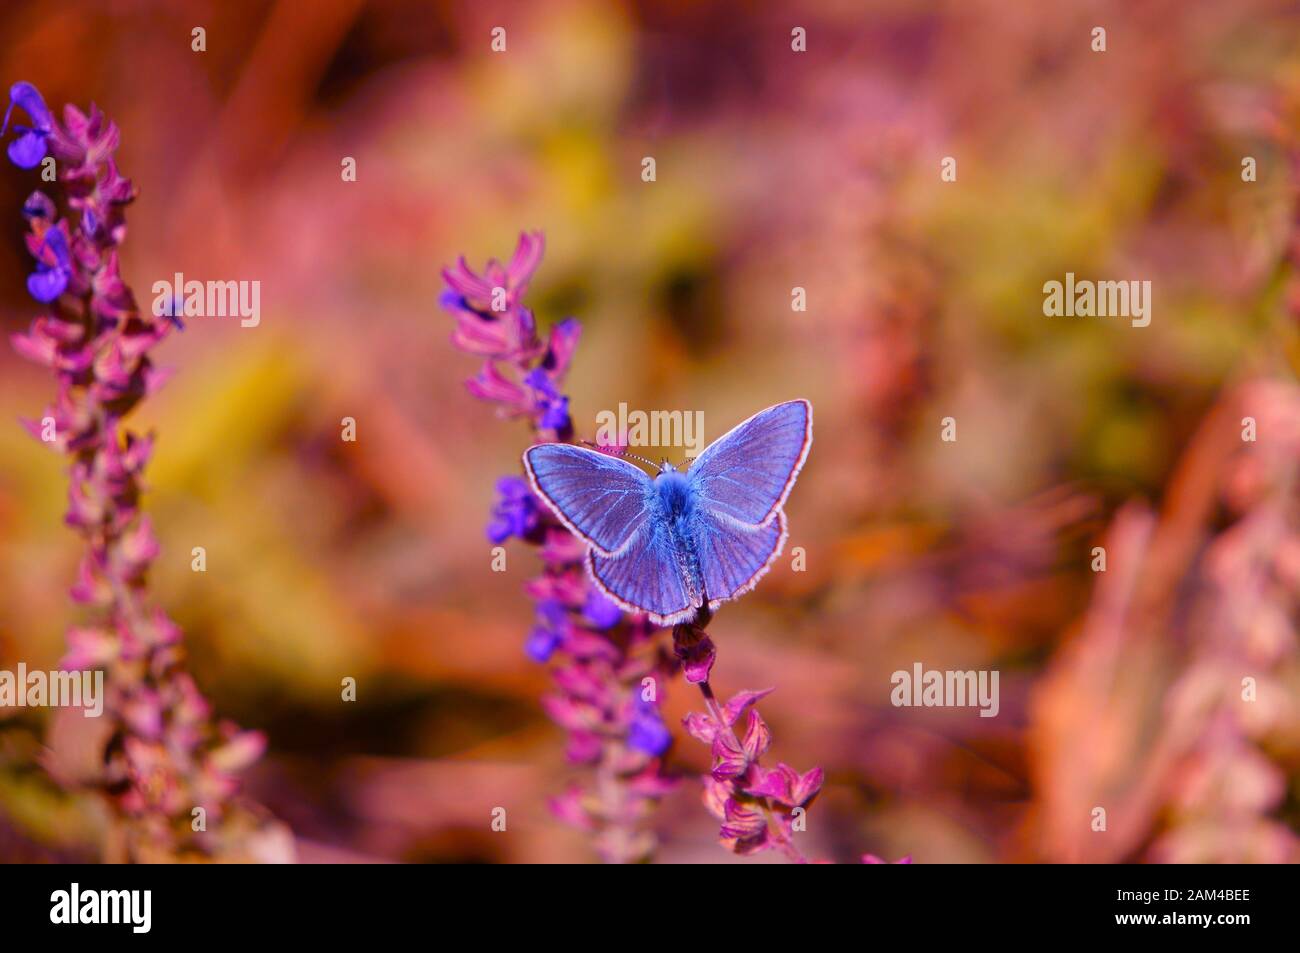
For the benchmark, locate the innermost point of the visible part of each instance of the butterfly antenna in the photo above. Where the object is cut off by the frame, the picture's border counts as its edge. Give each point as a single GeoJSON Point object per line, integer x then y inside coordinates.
{"type": "Point", "coordinates": [621, 453]}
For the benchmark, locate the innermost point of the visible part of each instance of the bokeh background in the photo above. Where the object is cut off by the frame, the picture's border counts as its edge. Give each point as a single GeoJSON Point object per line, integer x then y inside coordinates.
{"type": "Point", "coordinates": [774, 170]}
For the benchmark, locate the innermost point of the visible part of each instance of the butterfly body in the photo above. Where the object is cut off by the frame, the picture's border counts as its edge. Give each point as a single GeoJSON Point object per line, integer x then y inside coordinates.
{"type": "Point", "coordinates": [674, 505]}
{"type": "Point", "coordinates": [668, 545]}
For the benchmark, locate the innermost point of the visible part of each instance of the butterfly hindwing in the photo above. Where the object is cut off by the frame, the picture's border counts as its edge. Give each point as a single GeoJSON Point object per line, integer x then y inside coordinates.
{"type": "Point", "coordinates": [747, 473]}
{"type": "Point", "coordinates": [734, 556]}
{"type": "Point", "coordinates": [648, 576]}
{"type": "Point", "coordinates": [599, 497]}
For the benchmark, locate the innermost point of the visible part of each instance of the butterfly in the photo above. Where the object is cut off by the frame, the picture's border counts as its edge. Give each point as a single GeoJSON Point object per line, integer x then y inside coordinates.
{"type": "Point", "coordinates": [668, 545]}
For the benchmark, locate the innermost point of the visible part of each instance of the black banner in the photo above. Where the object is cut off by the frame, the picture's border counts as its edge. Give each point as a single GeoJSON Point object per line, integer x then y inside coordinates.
{"type": "Point", "coordinates": [232, 903]}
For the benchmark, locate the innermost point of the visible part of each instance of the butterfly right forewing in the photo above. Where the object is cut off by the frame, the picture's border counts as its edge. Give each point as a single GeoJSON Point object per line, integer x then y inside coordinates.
{"type": "Point", "coordinates": [747, 473]}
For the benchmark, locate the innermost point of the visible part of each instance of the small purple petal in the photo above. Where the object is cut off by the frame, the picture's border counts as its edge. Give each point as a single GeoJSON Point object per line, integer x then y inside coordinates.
{"type": "Point", "coordinates": [516, 513]}
{"type": "Point", "coordinates": [27, 150]}
{"type": "Point", "coordinates": [648, 733]}
{"type": "Point", "coordinates": [542, 643]}
{"type": "Point", "coordinates": [29, 99]}
{"type": "Point", "coordinates": [38, 205]}
{"type": "Point", "coordinates": [541, 382]}
{"type": "Point", "coordinates": [600, 611]}
{"type": "Point", "coordinates": [553, 613]}
{"type": "Point", "coordinates": [45, 285]}
{"type": "Point", "coordinates": [556, 416]}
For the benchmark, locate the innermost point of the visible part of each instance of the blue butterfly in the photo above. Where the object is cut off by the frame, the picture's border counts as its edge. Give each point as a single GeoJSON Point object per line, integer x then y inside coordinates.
{"type": "Point", "coordinates": [668, 545]}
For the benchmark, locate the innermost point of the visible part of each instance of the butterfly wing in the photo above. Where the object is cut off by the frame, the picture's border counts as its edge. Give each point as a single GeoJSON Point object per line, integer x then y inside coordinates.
{"type": "Point", "coordinates": [648, 576]}
{"type": "Point", "coordinates": [747, 473]}
{"type": "Point", "coordinates": [599, 497]}
{"type": "Point", "coordinates": [734, 556]}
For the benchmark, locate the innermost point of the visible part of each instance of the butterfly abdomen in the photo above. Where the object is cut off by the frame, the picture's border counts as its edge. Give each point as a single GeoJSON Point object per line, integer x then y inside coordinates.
{"type": "Point", "coordinates": [676, 503]}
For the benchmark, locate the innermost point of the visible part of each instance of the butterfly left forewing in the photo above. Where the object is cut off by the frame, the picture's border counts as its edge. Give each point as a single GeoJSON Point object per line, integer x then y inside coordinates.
{"type": "Point", "coordinates": [601, 498]}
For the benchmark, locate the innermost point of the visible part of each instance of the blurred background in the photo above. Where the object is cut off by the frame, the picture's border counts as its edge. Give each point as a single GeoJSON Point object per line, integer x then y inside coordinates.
{"type": "Point", "coordinates": [924, 300]}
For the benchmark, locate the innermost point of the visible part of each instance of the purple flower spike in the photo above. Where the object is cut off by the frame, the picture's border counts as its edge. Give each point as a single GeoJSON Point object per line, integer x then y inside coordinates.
{"type": "Point", "coordinates": [598, 655]}
{"type": "Point", "coordinates": [30, 147]}
{"type": "Point", "coordinates": [164, 753]}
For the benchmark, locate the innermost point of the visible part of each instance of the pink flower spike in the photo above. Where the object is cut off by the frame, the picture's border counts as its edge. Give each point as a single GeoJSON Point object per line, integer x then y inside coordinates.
{"type": "Point", "coordinates": [747, 847]}
{"type": "Point", "coordinates": [156, 378]}
{"type": "Point", "coordinates": [166, 753]}
{"type": "Point", "coordinates": [238, 753]}
{"type": "Point", "coordinates": [35, 345]}
{"type": "Point", "coordinates": [757, 736]}
{"type": "Point", "coordinates": [772, 783]}
{"type": "Point", "coordinates": [570, 714]}
{"type": "Point", "coordinates": [569, 808]}
{"type": "Point", "coordinates": [737, 704]}
{"type": "Point", "coordinates": [89, 648]}
{"type": "Point", "coordinates": [490, 384]}
{"type": "Point", "coordinates": [715, 797]}
{"type": "Point", "coordinates": [527, 256]}
{"type": "Point", "coordinates": [139, 546]}
{"type": "Point", "coordinates": [728, 760]}
{"type": "Point", "coordinates": [741, 822]}
{"type": "Point", "coordinates": [463, 280]}
{"type": "Point", "coordinates": [807, 787]}
{"type": "Point", "coordinates": [701, 727]}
